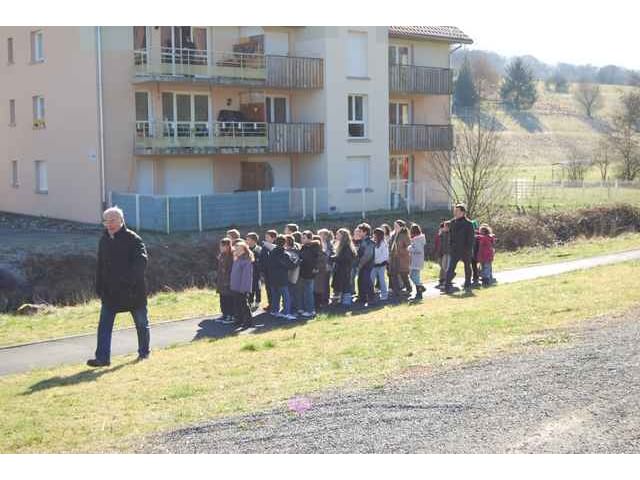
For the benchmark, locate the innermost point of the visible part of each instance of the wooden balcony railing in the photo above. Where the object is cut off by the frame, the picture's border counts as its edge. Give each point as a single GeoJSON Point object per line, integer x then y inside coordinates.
{"type": "Point", "coordinates": [415, 79]}
{"type": "Point", "coordinates": [166, 64]}
{"type": "Point", "coordinates": [207, 138]}
{"type": "Point", "coordinates": [407, 138]}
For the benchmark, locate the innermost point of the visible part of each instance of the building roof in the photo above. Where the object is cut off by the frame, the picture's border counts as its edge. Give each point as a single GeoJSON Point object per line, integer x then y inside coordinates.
{"type": "Point", "coordinates": [451, 34]}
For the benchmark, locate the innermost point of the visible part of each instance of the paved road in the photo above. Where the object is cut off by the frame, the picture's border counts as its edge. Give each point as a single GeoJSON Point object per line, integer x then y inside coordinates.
{"type": "Point", "coordinates": [79, 348]}
{"type": "Point", "coordinates": [580, 395]}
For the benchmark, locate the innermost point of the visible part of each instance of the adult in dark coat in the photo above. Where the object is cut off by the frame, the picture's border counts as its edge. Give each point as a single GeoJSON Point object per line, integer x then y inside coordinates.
{"type": "Point", "coordinates": [461, 240]}
{"type": "Point", "coordinates": [120, 284]}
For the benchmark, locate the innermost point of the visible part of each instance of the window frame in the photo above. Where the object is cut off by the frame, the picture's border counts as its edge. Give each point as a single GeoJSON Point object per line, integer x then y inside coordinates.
{"type": "Point", "coordinates": [11, 58]}
{"type": "Point", "coordinates": [37, 46]}
{"type": "Point", "coordinates": [39, 164]}
{"type": "Point", "coordinates": [15, 174]}
{"type": "Point", "coordinates": [12, 112]}
{"type": "Point", "coordinates": [38, 106]}
{"type": "Point", "coordinates": [396, 106]}
{"type": "Point", "coordinates": [351, 115]}
{"type": "Point", "coordinates": [396, 48]}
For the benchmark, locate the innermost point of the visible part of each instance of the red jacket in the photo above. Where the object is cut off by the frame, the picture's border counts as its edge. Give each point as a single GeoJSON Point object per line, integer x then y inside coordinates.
{"type": "Point", "coordinates": [485, 248]}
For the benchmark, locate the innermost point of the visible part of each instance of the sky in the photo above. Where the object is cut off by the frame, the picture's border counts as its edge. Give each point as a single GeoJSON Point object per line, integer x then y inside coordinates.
{"type": "Point", "coordinates": [600, 33]}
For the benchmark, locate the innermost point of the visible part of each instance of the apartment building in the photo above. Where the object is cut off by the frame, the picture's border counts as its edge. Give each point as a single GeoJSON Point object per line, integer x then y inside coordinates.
{"type": "Point", "coordinates": [183, 111]}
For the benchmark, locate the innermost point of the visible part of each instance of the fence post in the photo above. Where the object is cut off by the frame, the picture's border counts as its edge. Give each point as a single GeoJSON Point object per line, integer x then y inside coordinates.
{"type": "Point", "coordinates": [424, 197]}
{"type": "Point", "coordinates": [110, 199]}
{"type": "Point", "coordinates": [167, 209]}
{"type": "Point", "coordinates": [304, 203]}
{"type": "Point", "coordinates": [200, 213]}
{"type": "Point", "coordinates": [315, 204]}
{"type": "Point", "coordinates": [408, 198]}
{"type": "Point", "coordinates": [364, 201]}
{"type": "Point", "coordinates": [137, 211]}
{"type": "Point", "coordinates": [260, 208]}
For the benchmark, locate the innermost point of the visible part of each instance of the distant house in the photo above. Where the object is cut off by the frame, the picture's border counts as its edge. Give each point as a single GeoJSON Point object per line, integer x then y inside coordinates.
{"type": "Point", "coordinates": [198, 110]}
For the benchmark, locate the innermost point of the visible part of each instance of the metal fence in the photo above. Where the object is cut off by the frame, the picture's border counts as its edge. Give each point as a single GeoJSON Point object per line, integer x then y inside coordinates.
{"type": "Point", "coordinates": [572, 193]}
{"type": "Point", "coordinates": [168, 213]}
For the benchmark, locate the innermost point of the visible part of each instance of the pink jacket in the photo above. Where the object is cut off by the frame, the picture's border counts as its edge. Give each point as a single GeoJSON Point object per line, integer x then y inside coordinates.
{"type": "Point", "coordinates": [485, 248]}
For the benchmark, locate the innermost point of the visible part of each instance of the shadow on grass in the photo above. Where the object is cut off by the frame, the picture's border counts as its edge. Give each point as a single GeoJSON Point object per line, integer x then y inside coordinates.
{"type": "Point", "coordinates": [527, 120]}
{"type": "Point", "coordinates": [89, 375]}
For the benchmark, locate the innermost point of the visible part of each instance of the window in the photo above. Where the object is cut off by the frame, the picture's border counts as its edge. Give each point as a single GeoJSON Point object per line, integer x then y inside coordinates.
{"type": "Point", "coordinates": [37, 47]}
{"type": "Point", "coordinates": [185, 114]}
{"type": "Point", "coordinates": [42, 185]}
{"type": "Point", "coordinates": [14, 174]}
{"type": "Point", "coordinates": [357, 175]}
{"type": "Point", "coordinates": [142, 114]}
{"type": "Point", "coordinates": [276, 109]}
{"type": "Point", "coordinates": [357, 54]}
{"type": "Point", "coordinates": [357, 112]}
{"type": "Point", "coordinates": [398, 113]}
{"type": "Point", "coordinates": [398, 55]}
{"type": "Point", "coordinates": [10, 50]}
{"type": "Point", "coordinates": [38, 111]}
{"type": "Point", "coordinates": [12, 113]}
{"type": "Point", "coordinates": [139, 38]}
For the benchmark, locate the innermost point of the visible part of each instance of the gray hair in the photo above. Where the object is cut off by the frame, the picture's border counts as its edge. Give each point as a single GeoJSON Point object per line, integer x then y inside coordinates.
{"type": "Point", "coordinates": [113, 210]}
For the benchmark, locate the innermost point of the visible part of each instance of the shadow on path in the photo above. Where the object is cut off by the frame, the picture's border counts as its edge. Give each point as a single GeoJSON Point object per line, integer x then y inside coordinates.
{"type": "Point", "coordinates": [89, 375]}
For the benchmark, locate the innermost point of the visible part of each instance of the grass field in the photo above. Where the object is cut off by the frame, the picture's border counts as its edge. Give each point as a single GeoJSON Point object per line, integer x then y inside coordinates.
{"type": "Point", "coordinates": [74, 409]}
{"type": "Point", "coordinates": [62, 321]}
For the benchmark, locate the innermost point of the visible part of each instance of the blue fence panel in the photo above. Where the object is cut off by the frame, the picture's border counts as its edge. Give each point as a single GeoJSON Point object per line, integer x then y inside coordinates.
{"type": "Point", "coordinates": [275, 206]}
{"type": "Point", "coordinates": [225, 209]}
{"type": "Point", "coordinates": [183, 214]}
{"type": "Point", "coordinates": [127, 202]}
{"type": "Point", "coordinates": [153, 213]}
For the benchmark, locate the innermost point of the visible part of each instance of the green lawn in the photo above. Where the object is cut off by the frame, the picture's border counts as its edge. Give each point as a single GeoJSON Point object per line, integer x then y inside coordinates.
{"type": "Point", "coordinates": [61, 321]}
{"type": "Point", "coordinates": [75, 409]}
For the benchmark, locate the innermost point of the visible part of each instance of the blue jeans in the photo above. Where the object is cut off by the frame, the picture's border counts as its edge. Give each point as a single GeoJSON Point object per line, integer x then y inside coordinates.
{"type": "Point", "coordinates": [105, 329]}
{"type": "Point", "coordinates": [277, 293]}
{"type": "Point", "coordinates": [414, 274]}
{"type": "Point", "coordinates": [487, 271]}
{"type": "Point", "coordinates": [380, 274]}
{"type": "Point", "coordinates": [308, 300]}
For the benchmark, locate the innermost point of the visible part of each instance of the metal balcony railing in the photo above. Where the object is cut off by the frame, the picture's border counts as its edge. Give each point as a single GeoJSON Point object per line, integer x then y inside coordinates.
{"type": "Point", "coordinates": [171, 64]}
{"type": "Point", "coordinates": [170, 137]}
{"type": "Point", "coordinates": [407, 138]}
{"type": "Point", "coordinates": [416, 79]}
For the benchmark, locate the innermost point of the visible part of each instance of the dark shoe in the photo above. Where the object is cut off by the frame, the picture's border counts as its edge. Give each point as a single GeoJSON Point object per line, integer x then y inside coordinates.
{"type": "Point", "coordinates": [94, 362]}
{"type": "Point", "coordinates": [466, 287]}
{"type": "Point", "coordinates": [142, 358]}
{"type": "Point", "coordinates": [475, 284]}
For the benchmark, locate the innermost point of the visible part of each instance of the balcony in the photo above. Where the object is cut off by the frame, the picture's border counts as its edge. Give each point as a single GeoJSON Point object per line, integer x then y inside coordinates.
{"type": "Point", "coordinates": [407, 138]}
{"type": "Point", "coordinates": [210, 138]}
{"type": "Point", "coordinates": [227, 68]}
{"type": "Point", "coordinates": [421, 80]}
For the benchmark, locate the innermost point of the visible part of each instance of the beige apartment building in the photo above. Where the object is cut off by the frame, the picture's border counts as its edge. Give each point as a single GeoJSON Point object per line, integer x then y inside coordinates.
{"type": "Point", "coordinates": [192, 111]}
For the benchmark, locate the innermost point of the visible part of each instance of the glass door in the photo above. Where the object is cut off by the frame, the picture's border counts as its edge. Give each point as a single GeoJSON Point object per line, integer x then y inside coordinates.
{"type": "Point", "coordinates": [277, 109]}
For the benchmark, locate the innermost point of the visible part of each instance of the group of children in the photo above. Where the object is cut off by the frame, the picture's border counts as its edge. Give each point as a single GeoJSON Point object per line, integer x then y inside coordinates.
{"type": "Point", "coordinates": [305, 271]}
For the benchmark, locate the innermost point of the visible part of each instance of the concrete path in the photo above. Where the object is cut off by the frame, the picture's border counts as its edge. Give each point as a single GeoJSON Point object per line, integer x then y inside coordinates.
{"type": "Point", "coordinates": [77, 349]}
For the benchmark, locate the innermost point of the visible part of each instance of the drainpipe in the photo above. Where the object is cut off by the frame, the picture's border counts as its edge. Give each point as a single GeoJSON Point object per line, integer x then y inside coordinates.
{"type": "Point", "coordinates": [103, 194]}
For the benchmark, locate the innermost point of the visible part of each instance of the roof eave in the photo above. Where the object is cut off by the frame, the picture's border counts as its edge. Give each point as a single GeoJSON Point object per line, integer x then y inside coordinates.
{"type": "Point", "coordinates": [466, 41]}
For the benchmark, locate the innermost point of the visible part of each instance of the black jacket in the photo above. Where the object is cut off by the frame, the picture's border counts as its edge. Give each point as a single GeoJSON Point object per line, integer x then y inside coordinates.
{"type": "Point", "coordinates": [122, 261]}
{"type": "Point", "coordinates": [309, 256]}
{"type": "Point", "coordinates": [278, 264]}
{"type": "Point", "coordinates": [461, 237]}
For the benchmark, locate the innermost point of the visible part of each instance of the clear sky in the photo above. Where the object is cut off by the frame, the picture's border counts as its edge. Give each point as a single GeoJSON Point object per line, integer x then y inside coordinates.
{"type": "Point", "coordinates": [606, 32]}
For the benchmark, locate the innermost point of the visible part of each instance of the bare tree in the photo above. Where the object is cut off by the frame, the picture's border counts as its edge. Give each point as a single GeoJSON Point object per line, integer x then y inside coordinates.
{"type": "Point", "coordinates": [624, 137]}
{"type": "Point", "coordinates": [577, 165]}
{"type": "Point", "coordinates": [602, 158]}
{"type": "Point", "coordinates": [485, 76]}
{"type": "Point", "coordinates": [475, 171]}
{"type": "Point", "coordinates": [589, 97]}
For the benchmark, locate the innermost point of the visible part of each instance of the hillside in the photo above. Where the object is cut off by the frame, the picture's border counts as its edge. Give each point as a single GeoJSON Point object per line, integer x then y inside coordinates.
{"type": "Point", "coordinates": [534, 140]}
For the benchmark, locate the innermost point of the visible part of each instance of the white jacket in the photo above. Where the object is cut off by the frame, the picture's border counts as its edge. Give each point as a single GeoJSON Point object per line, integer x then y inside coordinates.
{"type": "Point", "coordinates": [381, 253]}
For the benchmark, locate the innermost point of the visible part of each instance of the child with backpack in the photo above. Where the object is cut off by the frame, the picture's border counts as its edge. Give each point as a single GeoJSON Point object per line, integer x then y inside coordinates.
{"type": "Point", "coordinates": [418, 242]}
{"type": "Point", "coordinates": [486, 251]}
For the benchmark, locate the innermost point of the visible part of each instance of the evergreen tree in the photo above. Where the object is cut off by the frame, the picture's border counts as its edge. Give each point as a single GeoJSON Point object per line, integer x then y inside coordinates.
{"type": "Point", "coordinates": [519, 87]}
{"type": "Point", "coordinates": [465, 94]}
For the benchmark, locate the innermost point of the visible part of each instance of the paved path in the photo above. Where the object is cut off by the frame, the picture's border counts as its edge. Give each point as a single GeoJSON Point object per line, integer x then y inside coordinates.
{"type": "Point", "coordinates": [578, 394]}
{"type": "Point", "coordinates": [78, 349]}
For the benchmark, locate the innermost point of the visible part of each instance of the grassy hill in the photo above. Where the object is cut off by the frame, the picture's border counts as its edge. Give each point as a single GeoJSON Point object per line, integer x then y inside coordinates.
{"type": "Point", "coordinates": [537, 139]}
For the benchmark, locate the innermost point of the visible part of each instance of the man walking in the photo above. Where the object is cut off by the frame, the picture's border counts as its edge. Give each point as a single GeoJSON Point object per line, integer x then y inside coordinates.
{"type": "Point", "coordinates": [461, 239]}
{"type": "Point", "coordinates": [120, 284]}
{"type": "Point", "coordinates": [366, 254]}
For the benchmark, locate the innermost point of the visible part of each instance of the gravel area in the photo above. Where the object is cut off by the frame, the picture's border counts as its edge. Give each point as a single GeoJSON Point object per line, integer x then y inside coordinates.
{"type": "Point", "coordinates": [574, 391]}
